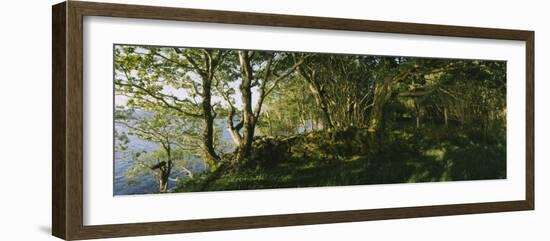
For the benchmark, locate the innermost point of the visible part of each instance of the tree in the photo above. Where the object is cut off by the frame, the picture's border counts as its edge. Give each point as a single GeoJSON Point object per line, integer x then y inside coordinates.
{"type": "Point", "coordinates": [261, 70]}
{"type": "Point", "coordinates": [161, 129]}
{"type": "Point", "coordinates": [179, 79]}
{"type": "Point", "coordinates": [310, 75]}
{"type": "Point", "coordinates": [289, 110]}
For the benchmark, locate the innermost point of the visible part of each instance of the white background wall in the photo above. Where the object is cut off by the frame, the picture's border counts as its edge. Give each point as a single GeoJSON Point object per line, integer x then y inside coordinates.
{"type": "Point", "coordinates": [25, 120]}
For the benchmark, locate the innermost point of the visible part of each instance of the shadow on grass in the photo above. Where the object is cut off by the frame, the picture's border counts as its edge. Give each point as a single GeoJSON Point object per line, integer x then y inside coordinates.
{"type": "Point", "coordinates": [348, 157]}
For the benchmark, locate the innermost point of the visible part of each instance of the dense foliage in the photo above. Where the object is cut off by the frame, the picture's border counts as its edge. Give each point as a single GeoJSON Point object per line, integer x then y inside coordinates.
{"type": "Point", "coordinates": [261, 119]}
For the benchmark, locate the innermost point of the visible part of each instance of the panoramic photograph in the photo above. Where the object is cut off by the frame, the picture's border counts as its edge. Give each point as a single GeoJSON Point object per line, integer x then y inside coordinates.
{"type": "Point", "coordinates": [189, 119]}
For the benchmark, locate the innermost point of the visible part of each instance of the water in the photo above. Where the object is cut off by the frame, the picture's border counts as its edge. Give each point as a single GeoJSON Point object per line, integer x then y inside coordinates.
{"type": "Point", "coordinates": [147, 184]}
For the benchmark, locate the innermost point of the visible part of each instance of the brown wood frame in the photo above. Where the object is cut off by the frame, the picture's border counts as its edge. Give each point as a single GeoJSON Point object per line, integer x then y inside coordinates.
{"type": "Point", "coordinates": [67, 121]}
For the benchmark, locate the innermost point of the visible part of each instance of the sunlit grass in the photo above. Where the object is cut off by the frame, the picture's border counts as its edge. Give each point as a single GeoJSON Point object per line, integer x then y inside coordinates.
{"type": "Point", "coordinates": [342, 159]}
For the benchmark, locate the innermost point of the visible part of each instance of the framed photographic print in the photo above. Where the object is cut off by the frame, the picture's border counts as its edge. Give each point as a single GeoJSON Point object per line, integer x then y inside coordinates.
{"type": "Point", "coordinates": [171, 120]}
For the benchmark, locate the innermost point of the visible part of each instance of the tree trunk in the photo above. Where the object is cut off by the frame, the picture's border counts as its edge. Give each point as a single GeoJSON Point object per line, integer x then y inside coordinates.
{"type": "Point", "coordinates": [270, 124]}
{"type": "Point", "coordinates": [163, 183]}
{"type": "Point", "coordinates": [235, 136]}
{"type": "Point", "coordinates": [382, 94]}
{"type": "Point", "coordinates": [445, 115]}
{"type": "Point", "coordinates": [208, 152]}
{"type": "Point", "coordinates": [320, 99]}
{"type": "Point", "coordinates": [417, 114]}
{"type": "Point", "coordinates": [166, 169]}
{"type": "Point", "coordinates": [187, 171]}
{"type": "Point", "coordinates": [249, 122]}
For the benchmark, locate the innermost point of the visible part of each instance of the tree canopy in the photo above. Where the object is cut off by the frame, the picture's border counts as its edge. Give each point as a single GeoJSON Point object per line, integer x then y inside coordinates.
{"type": "Point", "coordinates": [237, 109]}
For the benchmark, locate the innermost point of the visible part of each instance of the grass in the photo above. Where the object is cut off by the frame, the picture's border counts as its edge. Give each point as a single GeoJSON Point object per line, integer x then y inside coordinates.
{"type": "Point", "coordinates": [353, 157]}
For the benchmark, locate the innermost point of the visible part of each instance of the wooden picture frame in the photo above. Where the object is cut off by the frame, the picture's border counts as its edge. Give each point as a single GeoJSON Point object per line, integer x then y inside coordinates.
{"type": "Point", "coordinates": [67, 124]}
